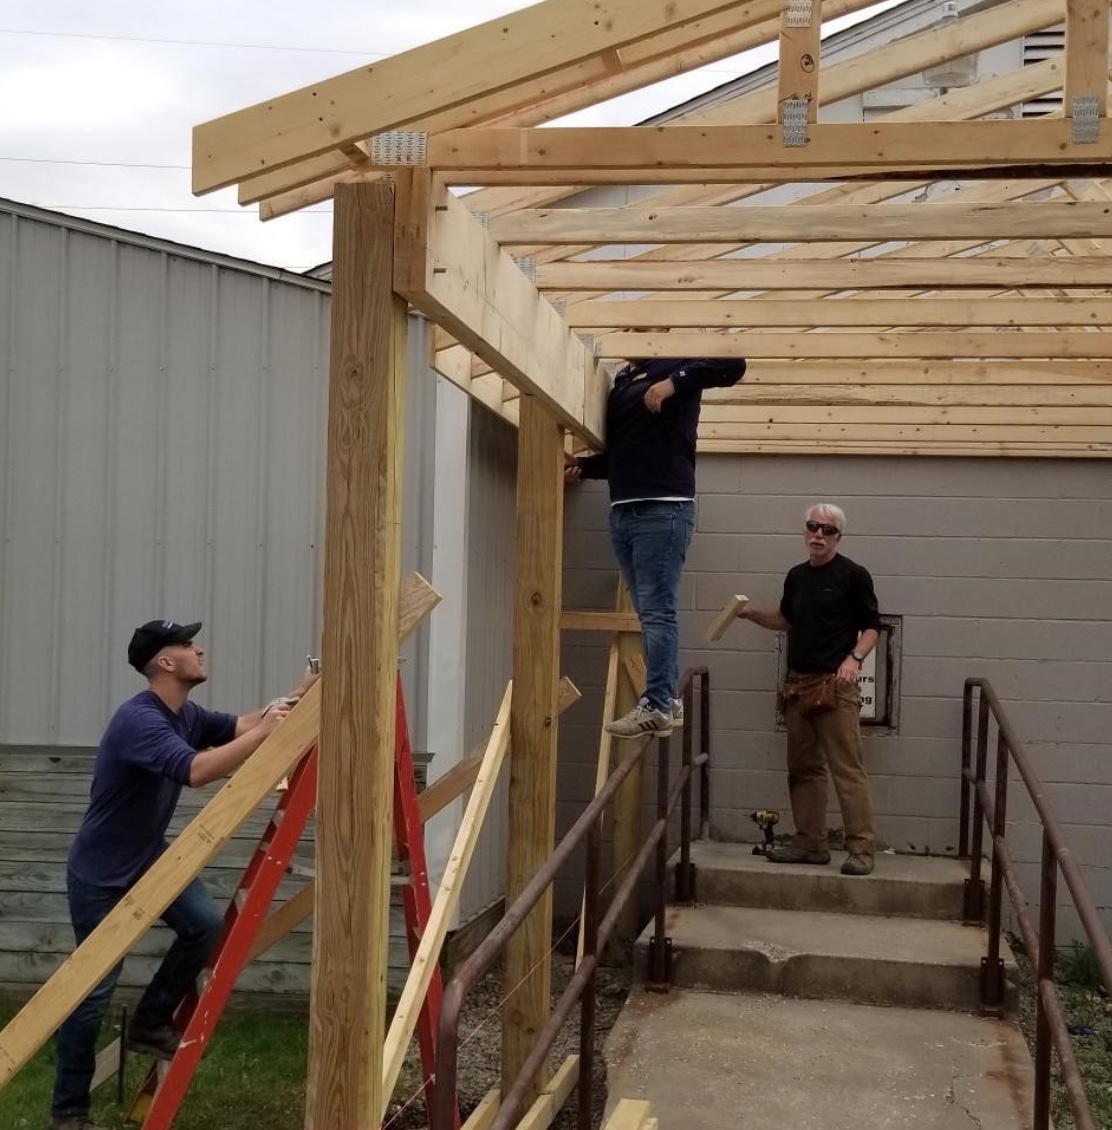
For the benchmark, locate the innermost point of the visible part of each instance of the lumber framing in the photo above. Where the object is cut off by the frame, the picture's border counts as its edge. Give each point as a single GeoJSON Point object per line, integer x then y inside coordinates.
{"type": "Point", "coordinates": [451, 270]}
{"type": "Point", "coordinates": [857, 345]}
{"type": "Point", "coordinates": [661, 154]}
{"type": "Point", "coordinates": [1051, 310]}
{"type": "Point", "coordinates": [527, 966]}
{"type": "Point", "coordinates": [395, 92]}
{"type": "Point", "coordinates": [354, 823]}
{"type": "Point", "coordinates": [829, 223]}
{"type": "Point", "coordinates": [880, 273]}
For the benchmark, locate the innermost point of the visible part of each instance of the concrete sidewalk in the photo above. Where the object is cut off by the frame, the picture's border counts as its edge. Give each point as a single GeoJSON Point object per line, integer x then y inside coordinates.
{"type": "Point", "coordinates": [710, 1061]}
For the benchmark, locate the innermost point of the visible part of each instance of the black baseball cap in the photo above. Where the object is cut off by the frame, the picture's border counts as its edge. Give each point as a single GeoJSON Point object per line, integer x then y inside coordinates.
{"type": "Point", "coordinates": [153, 636]}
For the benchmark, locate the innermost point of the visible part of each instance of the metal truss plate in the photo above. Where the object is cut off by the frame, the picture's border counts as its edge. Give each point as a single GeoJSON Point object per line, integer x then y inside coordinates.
{"type": "Point", "coordinates": [798, 13]}
{"type": "Point", "coordinates": [399, 147]}
{"type": "Point", "coordinates": [1085, 120]}
{"type": "Point", "coordinates": [794, 124]}
{"type": "Point", "coordinates": [528, 266]}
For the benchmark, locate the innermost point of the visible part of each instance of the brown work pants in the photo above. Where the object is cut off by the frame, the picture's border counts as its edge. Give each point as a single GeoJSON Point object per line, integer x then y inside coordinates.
{"type": "Point", "coordinates": [829, 745]}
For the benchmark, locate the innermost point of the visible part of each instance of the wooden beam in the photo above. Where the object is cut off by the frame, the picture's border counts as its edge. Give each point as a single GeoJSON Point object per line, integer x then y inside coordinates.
{"type": "Point", "coordinates": [886, 272]}
{"type": "Point", "coordinates": [142, 906]}
{"type": "Point", "coordinates": [997, 415]}
{"type": "Point", "coordinates": [918, 434]}
{"type": "Point", "coordinates": [551, 1100]}
{"type": "Point", "coordinates": [532, 796]}
{"type": "Point", "coordinates": [1086, 88]}
{"type": "Point", "coordinates": [452, 271]}
{"type": "Point", "coordinates": [899, 373]}
{"type": "Point", "coordinates": [972, 345]}
{"type": "Point", "coordinates": [448, 894]}
{"type": "Point", "coordinates": [551, 94]}
{"type": "Point", "coordinates": [585, 621]}
{"type": "Point", "coordinates": [360, 652]}
{"type": "Point", "coordinates": [660, 154]}
{"type": "Point", "coordinates": [829, 223]}
{"type": "Point", "coordinates": [798, 70]}
{"type": "Point", "coordinates": [1008, 448]}
{"type": "Point", "coordinates": [848, 312]}
{"type": "Point", "coordinates": [924, 395]}
{"type": "Point", "coordinates": [394, 93]}
{"type": "Point", "coordinates": [870, 71]}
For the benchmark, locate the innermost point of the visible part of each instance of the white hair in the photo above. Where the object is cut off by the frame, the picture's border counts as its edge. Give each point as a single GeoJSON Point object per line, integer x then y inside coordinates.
{"type": "Point", "coordinates": [835, 512]}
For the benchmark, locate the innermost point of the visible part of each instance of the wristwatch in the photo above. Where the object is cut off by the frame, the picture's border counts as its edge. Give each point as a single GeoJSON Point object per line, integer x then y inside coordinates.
{"type": "Point", "coordinates": [858, 656]}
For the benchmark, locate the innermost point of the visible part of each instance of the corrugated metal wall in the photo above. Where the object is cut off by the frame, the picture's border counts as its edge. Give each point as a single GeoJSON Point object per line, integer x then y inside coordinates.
{"type": "Point", "coordinates": [161, 453]}
{"type": "Point", "coordinates": [997, 568]}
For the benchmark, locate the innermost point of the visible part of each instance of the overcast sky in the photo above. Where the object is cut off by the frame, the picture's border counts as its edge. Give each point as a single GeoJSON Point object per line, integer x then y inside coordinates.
{"type": "Point", "coordinates": [97, 102]}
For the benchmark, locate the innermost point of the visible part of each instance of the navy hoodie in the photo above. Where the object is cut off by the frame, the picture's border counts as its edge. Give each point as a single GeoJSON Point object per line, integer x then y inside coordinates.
{"type": "Point", "coordinates": [652, 454]}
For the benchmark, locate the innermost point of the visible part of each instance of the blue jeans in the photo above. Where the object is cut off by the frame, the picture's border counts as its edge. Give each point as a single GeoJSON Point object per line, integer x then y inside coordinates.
{"type": "Point", "coordinates": [196, 920]}
{"type": "Point", "coordinates": [650, 541]}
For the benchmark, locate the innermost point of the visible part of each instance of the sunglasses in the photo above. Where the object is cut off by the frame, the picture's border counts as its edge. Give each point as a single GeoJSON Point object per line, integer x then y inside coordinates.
{"type": "Point", "coordinates": [827, 529]}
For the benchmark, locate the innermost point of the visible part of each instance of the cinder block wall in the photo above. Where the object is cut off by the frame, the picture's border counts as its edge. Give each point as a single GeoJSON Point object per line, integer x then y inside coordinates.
{"type": "Point", "coordinates": [1001, 568]}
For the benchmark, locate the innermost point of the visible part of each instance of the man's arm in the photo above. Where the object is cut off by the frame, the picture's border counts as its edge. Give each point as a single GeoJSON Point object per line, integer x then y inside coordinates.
{"type": "Point", "coordinates": [586, 467]}
{"type": "Point", "coordinates": [770, 618]}
{"type": "Point", "coordinates": [212, 764]}
{"type": "Point", "coordinates": [247, 722]}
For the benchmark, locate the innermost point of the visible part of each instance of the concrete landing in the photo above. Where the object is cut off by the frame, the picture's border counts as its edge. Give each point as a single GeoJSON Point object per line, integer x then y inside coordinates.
{"type": "Point", "coordinates": [708, 1061]}
{"type": "Point", "coordinates": [906, 885]}
{"type": "Point", "coordinates": [915, 963]}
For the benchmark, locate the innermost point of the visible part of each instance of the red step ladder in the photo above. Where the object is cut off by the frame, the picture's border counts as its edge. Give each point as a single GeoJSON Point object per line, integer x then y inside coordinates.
{"type": "Point", "coordinates": [161, 1094]}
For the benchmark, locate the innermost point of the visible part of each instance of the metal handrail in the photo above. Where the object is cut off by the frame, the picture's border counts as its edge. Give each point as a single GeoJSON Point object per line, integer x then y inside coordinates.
{"type": "Point", "coordinates": [596, 932]}
{"type": "Point", "coordinates": [1050, 1026]}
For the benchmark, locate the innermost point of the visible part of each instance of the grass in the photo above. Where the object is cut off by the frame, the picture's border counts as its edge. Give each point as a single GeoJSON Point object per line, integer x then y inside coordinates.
{"type": "Point", "coordinates": [253, 1078]}
{"type": "Point", "coordinates": [1088, 1015]}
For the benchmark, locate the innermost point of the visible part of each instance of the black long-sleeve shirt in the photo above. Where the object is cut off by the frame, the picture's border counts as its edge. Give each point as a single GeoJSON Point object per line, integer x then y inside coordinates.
{"type": "Point", "coordinates": [827, 607]}
{"type": "Point", "coordinates": [652, 454]}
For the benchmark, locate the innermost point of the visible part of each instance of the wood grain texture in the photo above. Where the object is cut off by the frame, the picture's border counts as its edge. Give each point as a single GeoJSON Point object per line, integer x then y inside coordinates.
{"type": "Point", "coordinates": [360, 652]}
{"type": "Point", "coordinates": [532, 791]}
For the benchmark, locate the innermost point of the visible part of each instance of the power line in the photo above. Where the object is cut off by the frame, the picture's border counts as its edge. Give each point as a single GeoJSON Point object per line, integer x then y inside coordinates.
{"type": "Point", "coordinates": [146, 208]}
{"type": "Point", "coordinates": [244, 46]}
{"type": "Point", "coordinates": [100, 164]}
{"type": "Point", "coordinates": [188, 42]}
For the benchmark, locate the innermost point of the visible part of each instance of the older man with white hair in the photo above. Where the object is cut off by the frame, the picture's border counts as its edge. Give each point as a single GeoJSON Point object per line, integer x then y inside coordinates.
{"type": "Point", "coordinates": [829, 611]}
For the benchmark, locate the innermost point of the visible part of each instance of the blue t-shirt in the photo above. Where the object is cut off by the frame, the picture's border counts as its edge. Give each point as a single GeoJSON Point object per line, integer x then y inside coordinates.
{"type": "Point", "coordinates": [143, 760]}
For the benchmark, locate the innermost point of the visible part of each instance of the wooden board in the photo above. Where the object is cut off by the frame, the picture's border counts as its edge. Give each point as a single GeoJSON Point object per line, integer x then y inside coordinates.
{"type": "Point", "coordinates": [726, 617]}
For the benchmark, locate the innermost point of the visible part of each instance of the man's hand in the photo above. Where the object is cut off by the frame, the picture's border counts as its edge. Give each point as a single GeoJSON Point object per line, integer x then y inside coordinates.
{"type": "Point", "coordinates": [658, 394]}
{"type": "Point", "coordinates": [572, 471]}
{"type": "Point", "coordinates": [307, 680]}
{"type": "Point", "coordinates": [849, 670]}
{"type": "Point", "coordinates": [273, 715]}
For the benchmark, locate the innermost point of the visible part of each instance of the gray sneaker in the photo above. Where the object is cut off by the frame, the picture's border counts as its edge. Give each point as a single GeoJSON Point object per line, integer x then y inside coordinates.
{"type": "Point", "coordinates": [858, 865]}
{"type": "Point", "coordinates": [677, 713]}
{"type": "Point", "coordinates": [644, 720]}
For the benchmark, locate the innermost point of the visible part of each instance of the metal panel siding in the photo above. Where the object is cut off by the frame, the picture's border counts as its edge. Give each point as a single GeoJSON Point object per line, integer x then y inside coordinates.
{"type": "Point", "coordinates": [492, 506]}
{"type": "Point", "coordinates": [162, 450]}
{"type": "Point", "coordinates": [1001, 568]}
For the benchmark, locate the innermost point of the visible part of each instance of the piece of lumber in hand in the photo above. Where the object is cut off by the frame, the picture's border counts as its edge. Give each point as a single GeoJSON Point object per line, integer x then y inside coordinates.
{"type": "Point", "coordinates": [726, 617]}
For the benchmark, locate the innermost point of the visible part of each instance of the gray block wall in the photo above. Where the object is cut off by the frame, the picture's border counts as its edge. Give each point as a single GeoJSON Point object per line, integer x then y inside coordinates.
{"type": "Point", "coordinates": [997, 568]}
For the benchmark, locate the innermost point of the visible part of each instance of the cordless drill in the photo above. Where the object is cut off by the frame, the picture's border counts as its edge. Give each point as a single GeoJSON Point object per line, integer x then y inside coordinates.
{"type": "Point", "coordinates": [766, 820]}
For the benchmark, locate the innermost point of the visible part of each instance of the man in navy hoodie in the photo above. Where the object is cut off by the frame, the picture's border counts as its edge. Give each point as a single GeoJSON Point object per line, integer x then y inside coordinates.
{"type": "Point", "coordinates": [652, 423]}
{"type": "Point", "coordinates": [156, 743]}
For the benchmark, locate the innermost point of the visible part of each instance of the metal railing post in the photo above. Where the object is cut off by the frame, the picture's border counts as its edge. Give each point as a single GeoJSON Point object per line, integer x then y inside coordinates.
{"type": "Point", "coordinates": [704, 752]}
{"type": "Point", "coordinates": [659, 965]}
{"type": "Point", "coordinates": [685, 871]}
{"type": "Point", "coordinates": [1048, 910]}
{"type": "Point", "coordinates": [587, 1001]}
{"type": "Point", "coordinates": [973, 909]}
{"type": "Point", "coordinates": [966, 768]}
{"type": "Point", "coordinates": [992, 967]}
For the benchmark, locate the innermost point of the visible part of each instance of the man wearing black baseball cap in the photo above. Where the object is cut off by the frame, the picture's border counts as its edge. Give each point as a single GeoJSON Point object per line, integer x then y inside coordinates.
{"type": "Point", "coordinates": [155, 743]}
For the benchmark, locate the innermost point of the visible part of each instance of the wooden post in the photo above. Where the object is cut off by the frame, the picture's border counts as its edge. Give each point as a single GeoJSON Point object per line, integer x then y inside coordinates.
{"type": "Point", "coordinates": [532, 796]}
{"type": "Point", "coordinates": [360, 655]}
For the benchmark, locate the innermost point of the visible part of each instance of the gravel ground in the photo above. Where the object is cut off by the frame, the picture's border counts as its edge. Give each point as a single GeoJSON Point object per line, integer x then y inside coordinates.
{"type": "Point", "coordinates": [1088, 1013]}
{"type": "Point", "coordinates": [481, 1046]}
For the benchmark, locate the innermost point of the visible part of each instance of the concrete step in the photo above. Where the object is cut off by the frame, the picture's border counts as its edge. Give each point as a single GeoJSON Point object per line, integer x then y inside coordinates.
{"type": "Point", "coordinates": [911, 963]}
{"type": "Point", "coordinates": [707, 1061]}
{"type": "Point", "coordinates": [912, 886]}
